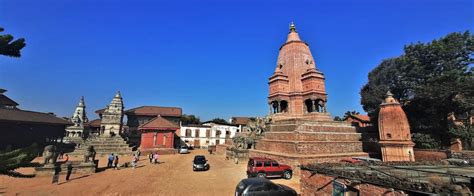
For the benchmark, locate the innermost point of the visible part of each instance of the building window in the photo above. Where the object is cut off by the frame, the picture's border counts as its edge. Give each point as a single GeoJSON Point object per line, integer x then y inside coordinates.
{"type": "Point", "coordinates": [227, 134]}
{"type": "Point", "coordinates": [164, 140]}
{"type": "Point", "coordinates": [218, 133]}
{"type": "Point", "coordinates": [196, 133]}
{"type": "Point", "coordinates": [154, 139]}
{"type": "Point", "coordinates": [188, 132]}
{"type": "Point", "coordinates": [208, 133]}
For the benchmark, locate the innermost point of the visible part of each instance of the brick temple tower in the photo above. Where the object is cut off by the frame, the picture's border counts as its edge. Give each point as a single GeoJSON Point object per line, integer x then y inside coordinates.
{"type": "Point", "coordinates": [112, 117]}
{"type": "Point", "coordinates": [301, 130]}
{"type": "Point", "coordinates": [394, 131]}
{"type": "Point", "coordinates": [297, 87]}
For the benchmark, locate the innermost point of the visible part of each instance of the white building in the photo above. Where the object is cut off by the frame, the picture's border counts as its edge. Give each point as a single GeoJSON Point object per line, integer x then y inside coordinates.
{"type": "Point", "coordinates": [201, 136]}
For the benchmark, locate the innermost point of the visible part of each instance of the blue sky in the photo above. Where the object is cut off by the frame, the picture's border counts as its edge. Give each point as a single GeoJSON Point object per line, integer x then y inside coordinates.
{"type": "Point", "coordinates": [212, 58]}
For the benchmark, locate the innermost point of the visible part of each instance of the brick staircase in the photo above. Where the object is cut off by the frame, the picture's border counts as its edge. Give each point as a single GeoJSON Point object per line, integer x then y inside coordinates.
{"type": "Point", "coordinates": [105, 146]}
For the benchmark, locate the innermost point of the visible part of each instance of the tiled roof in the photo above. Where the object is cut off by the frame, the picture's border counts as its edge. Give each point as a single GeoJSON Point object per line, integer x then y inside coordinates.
{"type": "Point", "coordinates": [155, 111]}
{"type": "Point", "coordinates": [240, 120]}
{"type": "Point", "coordinates": [30, 117]}
{"type": "Point", "coordinates": [365, 118]}
{"type": "Point", "coordinates": [101, 111]}
{"type": "Point", "coordinates": [158, 123]}
{"type": "Point", "coordinates": [4, 100]}
{"type": "Point", "coordinates": [94, 123]}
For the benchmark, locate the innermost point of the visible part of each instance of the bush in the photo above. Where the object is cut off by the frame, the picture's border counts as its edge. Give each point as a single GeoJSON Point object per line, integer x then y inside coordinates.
{"type": "Point", "coordinates": [426, 141]}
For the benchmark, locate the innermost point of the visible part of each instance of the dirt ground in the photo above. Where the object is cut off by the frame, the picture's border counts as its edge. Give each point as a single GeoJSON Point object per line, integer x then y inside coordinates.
{"type": "Point", "coordinates": [174, 176]}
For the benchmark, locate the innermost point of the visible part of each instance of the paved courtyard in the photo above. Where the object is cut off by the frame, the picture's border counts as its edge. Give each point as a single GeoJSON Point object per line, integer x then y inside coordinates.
{"type": "Point", "coordinates": [173, 177]}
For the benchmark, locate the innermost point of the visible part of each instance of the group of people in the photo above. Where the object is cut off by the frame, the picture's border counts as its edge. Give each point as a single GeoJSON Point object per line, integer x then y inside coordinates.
{"type": "Point", "coordinates": [153, 157]}
{"type": "Point", "coordinates": [113, 161]}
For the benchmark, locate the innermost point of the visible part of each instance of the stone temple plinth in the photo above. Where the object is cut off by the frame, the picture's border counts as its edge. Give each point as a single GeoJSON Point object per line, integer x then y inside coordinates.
{"type": "Point", "coordinates": [302, 131]}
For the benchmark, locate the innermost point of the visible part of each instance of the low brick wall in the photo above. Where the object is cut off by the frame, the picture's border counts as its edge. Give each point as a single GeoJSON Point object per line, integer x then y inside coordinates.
{"type": "Point", "coordinates": [430, 155]}
{"type": "Point", "coordinates": [322, 185]}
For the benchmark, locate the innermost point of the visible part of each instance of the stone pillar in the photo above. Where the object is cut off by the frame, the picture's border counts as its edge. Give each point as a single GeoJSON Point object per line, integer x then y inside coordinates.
{"type": "Point", "coordinates": [305, 108]}
{"type": "Point", "coordinates": [313, 105]}
{"type": "Point", "coordinates": [271, 108]}
{"type": "Point", "coordinates": [279, 107]}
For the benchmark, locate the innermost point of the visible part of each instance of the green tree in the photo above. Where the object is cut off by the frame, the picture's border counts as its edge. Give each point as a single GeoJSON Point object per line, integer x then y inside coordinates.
{"type": "Point", "coordinates": [190, 119]}
{"type": "Point", "coordinates": [430, 80]}
{"type": "Point", "coordinates": [219, 121]}
{"type": "Point", "coordinates": [337, 118]}
{"type": "Point", "coordinates": [10, 47]}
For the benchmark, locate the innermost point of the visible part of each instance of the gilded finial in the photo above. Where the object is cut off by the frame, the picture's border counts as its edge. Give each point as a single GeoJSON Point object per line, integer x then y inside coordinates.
{"type": "Point", "coordinates": [292, 27]}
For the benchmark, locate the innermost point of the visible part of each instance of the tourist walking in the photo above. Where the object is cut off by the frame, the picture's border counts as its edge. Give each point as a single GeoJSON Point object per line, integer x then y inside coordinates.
{"type": "Point", "coordinates": [151, 157]}
{"type": "Point", "coordinates": [155, 158]}
{"type": "Point", "coordinates": [134, 161]}
{"type": "Point", "coordinates": [69, 171]}
{"type": "Point", "coordinates": [116, 161]}
{"type": "Point", "coordinates": [110, 160]}
{"type": "Point", "coordinates": [57, 170]}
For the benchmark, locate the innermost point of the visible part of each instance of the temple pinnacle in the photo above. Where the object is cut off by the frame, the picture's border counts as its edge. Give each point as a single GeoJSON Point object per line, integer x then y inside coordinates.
{"type": "Point", "coordinates": [292, 27]}
{"type": "Point", "coordinates": [118, 95]}
{"type": "Point", "coordinates": [81, 102]}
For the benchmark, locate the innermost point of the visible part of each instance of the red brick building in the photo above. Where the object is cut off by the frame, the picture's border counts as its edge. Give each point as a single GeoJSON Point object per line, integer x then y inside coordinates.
{"type": "Point", "coordinates": [359, 120]}
{"type": "Point", "coordinates": [158, 133]}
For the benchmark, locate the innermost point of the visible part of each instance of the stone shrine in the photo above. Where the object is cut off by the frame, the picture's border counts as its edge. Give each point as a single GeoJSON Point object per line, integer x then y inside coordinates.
{"type": "Point", "coordinates": [109, 139]}
{"type": "Point", "coordinates": [394, 131]}
{"type": "Point", "coordinates": [76, 132]}
{"type": "Point", "coordinates": [112, 117]}
{"type": "Point", "coordinates": [302, 130]}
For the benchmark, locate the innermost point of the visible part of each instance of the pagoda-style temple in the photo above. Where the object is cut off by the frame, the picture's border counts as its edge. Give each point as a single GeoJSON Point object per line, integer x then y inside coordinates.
{"type": "Point", "coordinates": [302, 130]}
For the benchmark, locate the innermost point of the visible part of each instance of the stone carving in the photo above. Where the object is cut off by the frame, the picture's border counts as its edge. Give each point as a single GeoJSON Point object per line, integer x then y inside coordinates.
{"type": "Point", "coordinates": [89, 155]}
{"type": "Point", "coordinates": [243, 141]}
{"type": "Point", "coordinates": [50, 154]}
{"type": "Point", "coordinates": [259, 125]}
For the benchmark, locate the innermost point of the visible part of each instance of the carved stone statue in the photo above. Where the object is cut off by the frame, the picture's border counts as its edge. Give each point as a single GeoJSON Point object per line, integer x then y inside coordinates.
{"type": "Point", "coordinates": [50, 154]}
{"type": "Point", "coordinates": [89, 155]}
{"type": "Point", "coordinates": [258, 126]}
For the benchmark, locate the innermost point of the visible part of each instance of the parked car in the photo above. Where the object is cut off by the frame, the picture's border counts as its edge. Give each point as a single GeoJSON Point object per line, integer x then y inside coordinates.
{"type": "Point", "coordinates": [262, 186]}
{"type": "Point", "coordinates": [183, 150]}
{"type": "Point", "coordinates": [200, 163]}
{"type": "Point", "coordinates": [263, 167]}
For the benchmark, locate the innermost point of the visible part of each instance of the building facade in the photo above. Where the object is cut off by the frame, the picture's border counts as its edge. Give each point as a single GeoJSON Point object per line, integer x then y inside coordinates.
{"type": "Point", "coordinates": [359, 120]}
{"type": "Point", "coordinates": [139, 116]}
{"type": "Point", "coordinates": [21, 128]}
{"type": "Point", "coordinates": [158, 134]}
{"type": "Point", "coordinates": [207, 134]}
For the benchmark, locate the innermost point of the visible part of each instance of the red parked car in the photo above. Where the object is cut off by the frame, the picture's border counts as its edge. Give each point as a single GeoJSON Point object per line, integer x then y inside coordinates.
{"type": "Point", "coordinates": [263, 167]}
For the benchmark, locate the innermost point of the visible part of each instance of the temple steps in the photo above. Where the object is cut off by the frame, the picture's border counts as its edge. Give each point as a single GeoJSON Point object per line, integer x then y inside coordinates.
{"type": "Point", "coordinates": [310, 147]}
{"type": "Point", "coordinates": [105, 146]}
{"type": "Point", "coordinates": [313, 136]}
